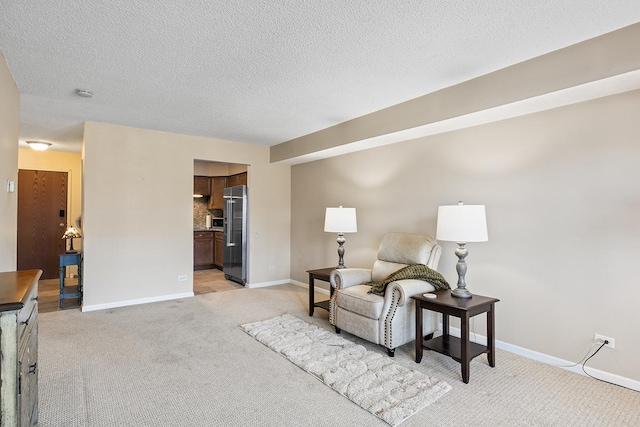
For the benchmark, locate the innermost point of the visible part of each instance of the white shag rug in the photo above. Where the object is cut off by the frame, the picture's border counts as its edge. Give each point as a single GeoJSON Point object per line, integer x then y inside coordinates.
{"type": "Point", "coordinates": [371, 380]}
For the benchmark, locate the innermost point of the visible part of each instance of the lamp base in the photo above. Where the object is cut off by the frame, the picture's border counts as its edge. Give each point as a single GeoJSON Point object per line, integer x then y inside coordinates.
{"type": "Point", "coordinates": [461, 267]}
{"type": "Point", "coordinates": [461, 293]}
{"type": "Point", "coordinates": [340, 241]}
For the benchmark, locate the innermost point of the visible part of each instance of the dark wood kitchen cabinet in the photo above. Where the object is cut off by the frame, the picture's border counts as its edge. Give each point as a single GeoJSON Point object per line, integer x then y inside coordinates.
{"type": "Point", "coordinates": [218, 184]}
{"type": "Point", "coordinates": [203, 250]}
{"type": "Point", "coordinates": [202, 185]}
{"type": "Point", "coordinates": [219, 249]}
{"type": "Point", "coordinates": [237, 179]}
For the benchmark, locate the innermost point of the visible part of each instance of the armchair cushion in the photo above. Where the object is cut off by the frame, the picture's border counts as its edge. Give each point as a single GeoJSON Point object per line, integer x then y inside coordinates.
{"type": "Point", "coordinates": [382, 269]}
{"type": "Point", "coordinates": [405, 248]}
{"type": "Point", "coordinates": [357, 299]}
{"type": "Point", "coordinates": [398, 250]}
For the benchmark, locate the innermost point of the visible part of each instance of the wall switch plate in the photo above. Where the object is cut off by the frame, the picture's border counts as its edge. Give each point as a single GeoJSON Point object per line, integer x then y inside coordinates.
{"type": "Point", "coordinates": [11, 186]}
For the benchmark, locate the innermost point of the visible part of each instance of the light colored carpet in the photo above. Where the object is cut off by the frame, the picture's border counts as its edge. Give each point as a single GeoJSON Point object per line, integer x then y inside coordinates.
{"type": "Point", "coordinates": [187, 363]}
{"type": "Point", "coordinates": [371, 380]}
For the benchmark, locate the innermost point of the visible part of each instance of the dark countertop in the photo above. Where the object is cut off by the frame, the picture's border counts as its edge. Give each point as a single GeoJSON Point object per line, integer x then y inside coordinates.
{"type": "Point", "coordinates": [15, 286]}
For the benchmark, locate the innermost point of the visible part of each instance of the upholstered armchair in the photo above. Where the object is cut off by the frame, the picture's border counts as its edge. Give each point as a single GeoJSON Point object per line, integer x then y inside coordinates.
{"type": "Point", "coordinates": [388, 320]}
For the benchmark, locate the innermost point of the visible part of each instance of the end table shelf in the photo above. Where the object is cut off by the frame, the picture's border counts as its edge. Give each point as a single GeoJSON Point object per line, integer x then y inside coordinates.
{"type": "Point", "coordinates": [452, 346]}
{"type": "Point", "coordinates": [322, 304]}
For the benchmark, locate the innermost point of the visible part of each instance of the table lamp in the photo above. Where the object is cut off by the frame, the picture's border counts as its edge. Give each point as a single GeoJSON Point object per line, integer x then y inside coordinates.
{"type": "Point", "coordinates": [462, 224]}
{"type": "Point", "coordinates": [70, 234]}
{"type": "Point", "coordinates": [340, 220]}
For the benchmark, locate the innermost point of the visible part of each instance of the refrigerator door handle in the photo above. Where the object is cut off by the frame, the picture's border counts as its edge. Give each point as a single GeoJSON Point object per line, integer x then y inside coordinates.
{"type": "Point", "coordinates": [229, 215]}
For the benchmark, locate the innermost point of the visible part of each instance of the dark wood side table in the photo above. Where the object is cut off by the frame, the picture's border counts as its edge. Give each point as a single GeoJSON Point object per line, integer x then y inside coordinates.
{"type": "Point", "coordinates": [460, 349]}
{"type": "Point", "coordinates": [67, 259]}
{"type": "Point", "coordinates": [320, 274]}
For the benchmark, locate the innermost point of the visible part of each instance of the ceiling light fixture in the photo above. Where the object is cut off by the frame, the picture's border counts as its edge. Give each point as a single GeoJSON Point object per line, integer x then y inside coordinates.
{"type": "Point", "coordinates": [84, 93]}
{"type": "Point", "coordinates": [39, 145]}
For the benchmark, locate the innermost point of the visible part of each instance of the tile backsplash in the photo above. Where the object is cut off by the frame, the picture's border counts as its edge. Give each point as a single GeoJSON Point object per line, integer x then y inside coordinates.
{"type": "Point", "coordinates": [200, 212]}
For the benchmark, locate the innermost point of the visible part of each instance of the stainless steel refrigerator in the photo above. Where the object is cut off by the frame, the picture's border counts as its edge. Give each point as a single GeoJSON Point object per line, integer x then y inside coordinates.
{"type": "Point", "coordinates": [235, 234]}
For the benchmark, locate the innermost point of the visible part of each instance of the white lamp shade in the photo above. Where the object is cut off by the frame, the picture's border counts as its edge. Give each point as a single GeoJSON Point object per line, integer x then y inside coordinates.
{"type": "Point", "coordinates": [340, 220]}
{"type": "Point", "coordinates": [462, 223]}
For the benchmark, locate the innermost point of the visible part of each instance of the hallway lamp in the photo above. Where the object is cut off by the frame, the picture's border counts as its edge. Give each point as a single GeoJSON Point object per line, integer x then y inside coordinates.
{"type": "Point", "coordinates": [340, 220]}
{"type": "Point", "coordinates": [462, 224]}
{"type": "Point", "coordinates": [70, 234]}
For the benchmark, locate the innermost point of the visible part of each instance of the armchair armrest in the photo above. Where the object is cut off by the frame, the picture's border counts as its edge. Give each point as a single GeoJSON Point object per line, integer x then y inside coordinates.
{"type": "Point", "coordinates": [345, 277]}
{"type": "Point", "coordinates": [408, 288]}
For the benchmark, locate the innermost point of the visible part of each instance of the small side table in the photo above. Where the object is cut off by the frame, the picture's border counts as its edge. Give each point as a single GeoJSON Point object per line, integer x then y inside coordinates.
{"type": "Point", "coordinates": [460, 349]}
{"type": "Point", "coordinates": [75, 291]}
{"type": "Point", "coordinates": [320, 274]}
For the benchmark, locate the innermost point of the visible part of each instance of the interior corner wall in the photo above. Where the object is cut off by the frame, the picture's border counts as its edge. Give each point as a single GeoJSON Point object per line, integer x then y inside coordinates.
{"type": "Point", "coordinates": [562, 198]}
{"type": "Point", "coordinates": [9, 133]}
{"type": "Point", "coordinates": [138, 212]}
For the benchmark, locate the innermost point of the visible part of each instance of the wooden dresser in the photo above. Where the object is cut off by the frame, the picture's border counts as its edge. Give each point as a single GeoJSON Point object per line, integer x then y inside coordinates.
{"type": "Point", "coordinates": [19, 348]}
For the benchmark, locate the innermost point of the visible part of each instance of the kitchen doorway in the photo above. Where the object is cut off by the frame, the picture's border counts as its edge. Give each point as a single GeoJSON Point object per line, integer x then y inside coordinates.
{"type": "Point", "coordinates": [210, 178]}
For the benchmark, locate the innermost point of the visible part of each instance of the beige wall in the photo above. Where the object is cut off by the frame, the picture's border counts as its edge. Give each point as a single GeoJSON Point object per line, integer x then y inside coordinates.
{"type": "Point", "coordinates": [562, 199]}
{"type": "Point", "coordinates": [9, 128]}
{"type": "Point", "coordinates": [60, 162]}
{"type": "Point", "coordinates": [216, 169]}
{"type": "Point", "coordinates": [138, 203]}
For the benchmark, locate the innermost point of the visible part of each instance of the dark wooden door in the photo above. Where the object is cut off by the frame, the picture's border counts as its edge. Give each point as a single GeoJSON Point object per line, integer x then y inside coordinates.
{"type": "Point", "coordinates": [42, 220]}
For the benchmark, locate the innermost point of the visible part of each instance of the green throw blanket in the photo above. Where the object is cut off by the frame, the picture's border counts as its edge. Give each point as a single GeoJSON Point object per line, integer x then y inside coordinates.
{"type": "Point", "coordinates": [414, 271]}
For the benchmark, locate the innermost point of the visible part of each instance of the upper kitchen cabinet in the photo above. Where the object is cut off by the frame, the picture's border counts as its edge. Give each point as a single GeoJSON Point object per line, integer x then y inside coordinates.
{"type": "Point", "coordinates": [202, 185]}
{"type": "Point", "coordinates": [237, 179]}
{"type": "Point", "coordinates": [218, 184]}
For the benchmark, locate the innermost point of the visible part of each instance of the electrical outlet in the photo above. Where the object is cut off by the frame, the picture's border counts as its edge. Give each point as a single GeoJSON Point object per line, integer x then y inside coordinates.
{"type": "Point", "coordinates": [599, 339]}
{"type": "Point", "coordinates": [272, 268]}
{"type": "Point", "coordinates": [182, 278]}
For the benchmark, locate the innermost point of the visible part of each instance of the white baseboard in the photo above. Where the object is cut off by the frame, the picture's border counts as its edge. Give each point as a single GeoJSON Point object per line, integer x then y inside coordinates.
{"type": "Point", "coordinates": [116, 304]}
{"type": "Point", "coordinates": [554, 361]}
{"type": "Point", "coordinates": [266, 284]}
{"type": "Point", "coordinates": [306, 285]}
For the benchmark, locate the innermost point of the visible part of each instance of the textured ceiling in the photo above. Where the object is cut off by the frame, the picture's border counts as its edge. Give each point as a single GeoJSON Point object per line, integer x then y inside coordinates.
{"type": "Point", "coordinates": [266, 71]}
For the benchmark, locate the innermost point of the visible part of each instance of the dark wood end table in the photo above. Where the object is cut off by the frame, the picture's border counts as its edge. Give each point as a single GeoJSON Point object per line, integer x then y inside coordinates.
{"type": "Point", "coordinates": [460, 349]}
{"type": "Point", "coordinates": [320, 274]}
